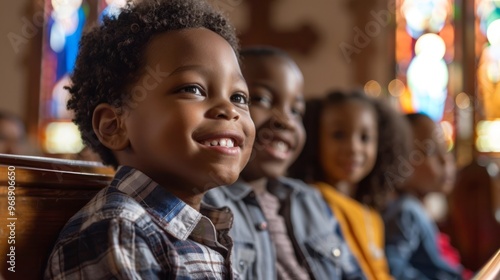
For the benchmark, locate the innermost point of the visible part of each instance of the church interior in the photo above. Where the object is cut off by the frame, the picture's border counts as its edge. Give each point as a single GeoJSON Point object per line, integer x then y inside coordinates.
{"type": "Point", "coordinates": [438, 57]}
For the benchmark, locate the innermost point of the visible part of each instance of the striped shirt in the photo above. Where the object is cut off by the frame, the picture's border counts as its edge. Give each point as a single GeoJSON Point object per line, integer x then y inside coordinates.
{"type": "Point", "coordinates": [135, 229]}
{"type": "Point", "coordinates": [287, 265]}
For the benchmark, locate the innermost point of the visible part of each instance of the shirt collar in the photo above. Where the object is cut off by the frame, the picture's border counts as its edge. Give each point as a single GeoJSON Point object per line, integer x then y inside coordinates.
{"type": "Point", "coordinates": [171, 213]}
{"type": "Point", "coordinates": [281, 187]}
{"type": "Point", "coordinates": [237, 191]}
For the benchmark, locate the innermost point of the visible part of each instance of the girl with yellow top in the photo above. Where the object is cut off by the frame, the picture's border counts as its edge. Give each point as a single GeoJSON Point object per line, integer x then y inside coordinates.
{"type": "Point", "coordinates": [352, 150]}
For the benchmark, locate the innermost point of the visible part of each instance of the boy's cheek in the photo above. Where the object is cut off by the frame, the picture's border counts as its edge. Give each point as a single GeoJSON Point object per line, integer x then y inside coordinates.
{"type": "Point", "coordinates": [248, 150]}
{"type": "Point", "coordinates": [250, 132]}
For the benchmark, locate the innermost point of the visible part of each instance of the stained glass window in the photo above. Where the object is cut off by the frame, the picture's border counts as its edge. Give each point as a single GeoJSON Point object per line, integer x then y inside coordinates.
{"type": "Point", "coordinates": [65, 22]}
{"type": "Point", "coordinates": [487, 34]}
{"type": "Point", "coordinates": [425, 49]}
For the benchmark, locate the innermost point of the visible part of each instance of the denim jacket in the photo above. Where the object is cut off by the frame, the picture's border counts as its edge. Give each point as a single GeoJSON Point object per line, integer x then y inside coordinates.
{"type": "Point", "coordinates": [314, 232]}
{"type": "Point", "coordinates": [411, 245]}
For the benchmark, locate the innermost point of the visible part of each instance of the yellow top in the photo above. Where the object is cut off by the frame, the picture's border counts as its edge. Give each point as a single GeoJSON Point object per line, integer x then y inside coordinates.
{"type": "Point", "coordinates": [363, 230]}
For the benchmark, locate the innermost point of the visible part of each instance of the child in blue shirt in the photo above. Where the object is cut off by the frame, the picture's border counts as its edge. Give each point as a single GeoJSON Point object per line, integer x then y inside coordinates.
{"type": "Point", "coordinates": [158, 93]}
{"type": "Point", "coordinates": [282, 228]}
{"type": "Point", "coordinates": [411, 236]}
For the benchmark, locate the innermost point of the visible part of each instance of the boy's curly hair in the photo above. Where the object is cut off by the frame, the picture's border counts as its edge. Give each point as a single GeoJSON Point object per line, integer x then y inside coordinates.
{"type": "Point", "coordinates": [111, 56]}
{"type": "Point", "coordinates": [393, 146]}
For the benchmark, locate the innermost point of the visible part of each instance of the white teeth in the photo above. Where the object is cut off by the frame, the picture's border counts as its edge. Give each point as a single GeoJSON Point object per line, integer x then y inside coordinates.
{"type": "Point", "coordinates": [280, 146]}
{"type": "Point", "coordinates": [223, 142]}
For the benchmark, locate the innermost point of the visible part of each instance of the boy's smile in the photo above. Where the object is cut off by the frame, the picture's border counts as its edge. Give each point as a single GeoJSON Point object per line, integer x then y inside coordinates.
{"type": "Point", "coordinates": [189, 126]}
{"type": "Point", "coordinates": [224, 142]}
{"type": "Point", "coordinates": [276, 86]}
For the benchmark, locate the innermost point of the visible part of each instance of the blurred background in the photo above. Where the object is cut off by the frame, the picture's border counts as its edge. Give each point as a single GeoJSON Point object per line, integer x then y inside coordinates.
{"type": "Point", "coordinates": [440, 57]}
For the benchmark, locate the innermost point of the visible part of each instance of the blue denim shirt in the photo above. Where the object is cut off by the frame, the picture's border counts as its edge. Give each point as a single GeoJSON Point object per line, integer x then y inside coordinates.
{"type": "Point", "coordinates": [315, 232]}
{"type": "Point", "coordinates": [411, 245]}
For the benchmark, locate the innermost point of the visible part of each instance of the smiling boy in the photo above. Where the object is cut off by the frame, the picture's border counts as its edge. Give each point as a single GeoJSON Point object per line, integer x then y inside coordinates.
{"type": "Point", "coordinates": [282, 228]}
{"type": "Point", "coordinates": [158, 93]}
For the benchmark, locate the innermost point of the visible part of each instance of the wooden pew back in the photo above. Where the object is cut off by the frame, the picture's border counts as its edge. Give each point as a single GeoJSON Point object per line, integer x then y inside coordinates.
{"type": "Point", "coordinates": [37, 197]}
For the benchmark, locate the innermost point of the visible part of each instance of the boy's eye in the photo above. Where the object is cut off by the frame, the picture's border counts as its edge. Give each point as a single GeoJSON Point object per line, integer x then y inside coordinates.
{"type": "Point", "coordinates": [261, 101]}
{"type": "Point", "coordinates": [298, 112]}
{"type": "Point", "coordinates": [191, 89]}
{"type": "Point", "coordinates": [239, 98]}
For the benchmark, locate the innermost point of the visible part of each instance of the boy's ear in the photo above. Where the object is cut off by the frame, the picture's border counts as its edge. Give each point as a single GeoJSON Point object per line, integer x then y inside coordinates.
{"type": "Point", "coordinates": [109, 127]}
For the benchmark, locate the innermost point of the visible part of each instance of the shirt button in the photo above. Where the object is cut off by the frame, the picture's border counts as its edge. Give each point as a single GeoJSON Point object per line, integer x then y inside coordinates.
{"type": "Point", "coordinates": [241, 266]}
{"type": "Point", "coordinates": [336, 252]}
{"type": "Point", "coordinates": [262, 226]}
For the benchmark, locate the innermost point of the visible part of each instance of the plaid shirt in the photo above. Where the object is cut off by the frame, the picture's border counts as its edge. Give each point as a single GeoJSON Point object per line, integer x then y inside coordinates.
{"type": "Point", "coordinates": [135, 229]}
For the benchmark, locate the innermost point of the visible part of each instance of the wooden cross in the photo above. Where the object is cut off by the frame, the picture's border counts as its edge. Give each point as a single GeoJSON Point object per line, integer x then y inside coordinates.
{"type": "Point", "coordinates": [261, 32]}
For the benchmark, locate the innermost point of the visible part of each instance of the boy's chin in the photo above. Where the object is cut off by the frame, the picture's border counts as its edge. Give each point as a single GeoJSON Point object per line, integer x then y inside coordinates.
{"type": "Point", "coordinates": [221, 180]}
{"type": "Point", "coordinates": [270, 172]}
{"type": "Point", "coordinates": [274, 170]}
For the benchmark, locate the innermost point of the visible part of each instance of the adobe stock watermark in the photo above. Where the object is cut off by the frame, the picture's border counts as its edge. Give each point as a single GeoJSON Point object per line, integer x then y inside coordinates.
{"type": "Point", "coordinates": [29, 29]}
{"type": "Point", "coordinates": [149, 81]}
{"type": "Point", "coordinates": [406, 166]}
{"type": "Point", "coordinates": [264, 136]}
{"type": "Point", "coordinates": [11, 218]}
{"type": "Point", "coordinates": [363, 37]}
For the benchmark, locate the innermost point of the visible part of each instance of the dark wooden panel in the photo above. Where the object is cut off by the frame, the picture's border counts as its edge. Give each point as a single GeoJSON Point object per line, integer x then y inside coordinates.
{"type": "Point", "coordinates": [47, 193]}
{"type": "Point", "coordinates": [472, 224]}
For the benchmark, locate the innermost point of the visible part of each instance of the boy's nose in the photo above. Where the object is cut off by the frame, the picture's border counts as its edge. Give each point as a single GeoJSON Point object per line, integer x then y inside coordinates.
{"type": "Point", "coordinates": [282, 120]}
{"type": "Point", "coordinates": [223, 109]}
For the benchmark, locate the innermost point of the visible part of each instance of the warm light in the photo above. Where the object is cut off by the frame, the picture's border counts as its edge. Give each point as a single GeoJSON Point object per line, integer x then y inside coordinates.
{"type": "Point", "coordinates": [491, 63]}
{"type": "Point", "coordinates": [62, 138]}
{"type": "Point", "coordinates": [462, 100]}
{"type": "Point", "coordinates": [447, 128]}
{"type": "Point", "coordinates": [438, 19]}
{"type": "Point", "coordinates": [428, 75]}
{"type": "Point", "coordinates": [117, 3]}
{"type": "Point", "coordinates": [428, 81]}
{"type": "Point", "coordinates": [484, 8]}
{"type": "Point", "coordinates": [415, 20]}
{"type": "Point", "coordinates": [493, 71]}
{"type": "Point", "coordinates": [423, 16]}
{"type": "Point", "coordinates": [114, 7]}
{"type": "Point", "coordinates": [430, 45]}
{"type": "Point", "coordinates": [373, 88]}
{"type": "Point", "coordinates": [448, 35]}
{"type": "Point", "coordinates": [406, 102]}
{"type": "Point", "coordinates": [488, 136]}
{"type": "Point", "coordinates": [423, 79]}
{"type": "Point", "coordinates": [57, 38]}
{"type": "Point", "coordinates": [436, 205]}
{"type": "Point", "coordinates": [493, 32]}
{"type": "Point", "coordinates": [396, 87]}
{"type": "Point", "coordinates": [66, 19]}
{"type": "Point", "coordinates": [64, 9]}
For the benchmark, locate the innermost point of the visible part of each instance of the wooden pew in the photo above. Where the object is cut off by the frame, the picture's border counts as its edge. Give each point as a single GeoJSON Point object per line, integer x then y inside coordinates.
{"type": "Point", "coordinates": [491, 270]}
{"type": "Point", "coordinates": [46, 193]}
{"type": "Point", "coordinates": [473, 227]}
